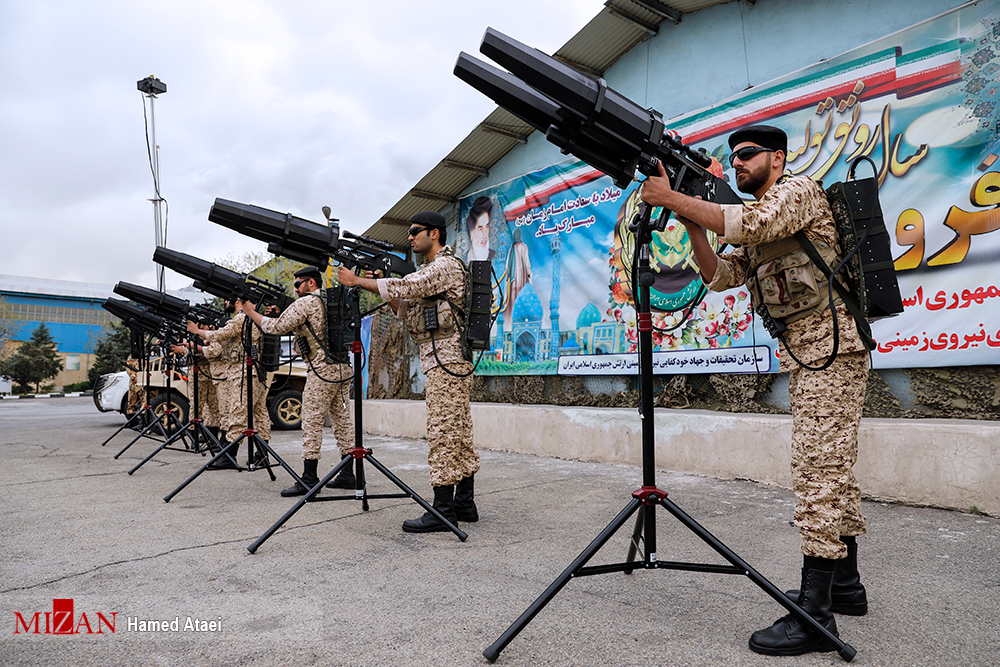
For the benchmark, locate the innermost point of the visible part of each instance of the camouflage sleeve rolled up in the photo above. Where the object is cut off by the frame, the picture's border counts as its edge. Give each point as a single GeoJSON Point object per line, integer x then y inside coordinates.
{"type": "Point", "coordinates": [233, 330]}
{"type": "Point", "coordinates": [226, 344]}
{"type": "Point", "coordinates": [307, 308]}
{"type": "Point", "coordinates": [292, 318]}
{"type": "Point", "coordinates": [443, 275]}
{"type": "Point", "coordinates": [790, 205]}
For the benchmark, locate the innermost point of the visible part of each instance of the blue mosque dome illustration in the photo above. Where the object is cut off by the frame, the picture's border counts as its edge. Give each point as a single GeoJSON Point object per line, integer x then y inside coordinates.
{"type": "Point", "coordinates": [589, 315]}
{"type": "Point", "coordinates": [527, 308]}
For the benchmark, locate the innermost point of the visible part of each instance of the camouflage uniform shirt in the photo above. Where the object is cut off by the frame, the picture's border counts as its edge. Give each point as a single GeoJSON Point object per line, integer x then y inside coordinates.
{"type": "Point", "coordinates": [308, 307]}
{"type": "Point", "coordinates": [444, 275]}
{"type": "Point", "coordinates": [226, 344]}
{"type": "Point", "coordinates": [792, 204]}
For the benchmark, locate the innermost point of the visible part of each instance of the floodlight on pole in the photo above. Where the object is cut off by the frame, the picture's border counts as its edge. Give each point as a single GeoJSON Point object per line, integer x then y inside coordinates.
{"type": "Point", "coordinates": [151, 87]}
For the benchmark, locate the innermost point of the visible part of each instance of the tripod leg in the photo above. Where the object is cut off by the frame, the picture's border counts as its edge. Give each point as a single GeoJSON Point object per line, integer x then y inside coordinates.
{"type": "Point", "coordinates": [846, 651]}
{"type": "Point", "coordinates": [493, 651]}
{"type": "Point", "coordinates": [462, 535]}
{"type": "Point", "coordinates": [154, 423]}
{"type": "Point", "coordinates": [267, 448]}
{"type": "Point", "coordinates": [297, 506]}
{"type": "Point", "coordinates": [128, 424]}
{"type": "Point", "coordinates": [361, 488]}
{"type": "Point", "coordinates": [159, 449]}
{"type": "Point", "coordinates": [256, 451]}
{"type": "Point", "coordinates": [633, 545]}
{"type": "Point", "coordinates": [223, 452]}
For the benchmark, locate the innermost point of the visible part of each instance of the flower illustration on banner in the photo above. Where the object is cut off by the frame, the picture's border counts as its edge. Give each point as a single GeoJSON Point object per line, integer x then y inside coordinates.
{"type": "Point", "coordinates": [715, 323]}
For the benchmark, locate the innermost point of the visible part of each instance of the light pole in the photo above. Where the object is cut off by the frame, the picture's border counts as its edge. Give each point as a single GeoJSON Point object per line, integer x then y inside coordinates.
{"type": "Point", "coordinates": [151, 87]}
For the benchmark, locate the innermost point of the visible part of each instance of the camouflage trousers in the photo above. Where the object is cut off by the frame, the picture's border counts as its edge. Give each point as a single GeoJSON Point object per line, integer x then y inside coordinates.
{"type": "Point", "coordinates": [236, 401]}
{"type": "Point", "coordinates": [208, 396]}
{"type": "Point", "coordinates": [321, 397]}
{"type": "Point", "coordinates": [136, 392]}
{"type": "Point", "coordinates": [826, 414]}
{"type": "Point", "coordinates": [453, 455]}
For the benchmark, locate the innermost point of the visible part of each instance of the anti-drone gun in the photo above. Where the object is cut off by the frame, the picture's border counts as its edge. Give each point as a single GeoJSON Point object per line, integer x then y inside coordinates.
{"type": "Point", "coordinates": [364, 252]}
{"type": "Point", "coordinates": [206, 316]}
{"type": "Point", "coordinates": [138, 318]}
{"type": "Point", "coordinates": [305, 241]}
{"type": "Point", "coordinates": [586, 118]}
{"type": "Point", "coordinates": [173, 310]}
{"type": "Point", "coordinates": [222, 282]}
{"type": "Point", "coordinates": [162, 304]}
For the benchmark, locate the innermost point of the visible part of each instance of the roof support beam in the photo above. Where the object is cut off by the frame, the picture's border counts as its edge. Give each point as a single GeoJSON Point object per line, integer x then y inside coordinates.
{"type": "Point", "coordinates": [639, 23]}
{"type": "Point", "coordinates": [452, 164]}
{"type": "Point", "coordinates": [590, 71]}
{"type": "Point", "coordinates": [504, 132]}
{"type": "Point", "coordinates": [434, 196]}
{"type": "Point", "coordinates": [658, 7]}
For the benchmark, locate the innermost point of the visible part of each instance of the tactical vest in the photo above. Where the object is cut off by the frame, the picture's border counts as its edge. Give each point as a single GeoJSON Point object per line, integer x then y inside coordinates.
{"type": "Point", "coordinates": [787, 282]}
{"type": "Point", "coordinates": [417, 320]}
{"type": "Point", "coordinates": [450, 317]}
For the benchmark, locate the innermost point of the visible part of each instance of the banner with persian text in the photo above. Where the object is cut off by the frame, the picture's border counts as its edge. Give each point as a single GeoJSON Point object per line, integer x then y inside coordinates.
{"type": "Point", "coordinates": [921, 103]}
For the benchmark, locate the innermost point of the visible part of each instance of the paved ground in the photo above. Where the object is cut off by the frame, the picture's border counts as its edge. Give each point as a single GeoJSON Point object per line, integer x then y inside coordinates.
{"type": "Point", "coordinates": [339, 586]}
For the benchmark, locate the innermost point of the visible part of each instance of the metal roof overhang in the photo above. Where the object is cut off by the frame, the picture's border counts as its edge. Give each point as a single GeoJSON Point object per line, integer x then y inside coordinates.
{"type": "Point", "coordinates": [619, 26]}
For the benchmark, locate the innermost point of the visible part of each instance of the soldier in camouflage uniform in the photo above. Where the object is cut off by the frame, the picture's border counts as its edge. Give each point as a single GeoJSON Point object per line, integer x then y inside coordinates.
{"type": "Point", "coordinates": [208, 401]}
{"type": "Point", "coordinates": [228, 358]}
{"type": "Point", "coordinates": [136, 386]}
{"type": "Point", "coordinates": [826, 405]}
{"type": "Point", "coordinates": [328, 384]}
{"type": "Point", "coordinates": [453, 459]}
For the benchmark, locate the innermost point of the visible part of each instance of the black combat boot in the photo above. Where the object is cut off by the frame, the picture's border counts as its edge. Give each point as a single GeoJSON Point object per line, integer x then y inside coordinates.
{"type": "Point", "coordinates": [789, 635]}
{"type": "Point", "coordinates": [345, 478]}
{"type": "Point", "coordinates": [444, 497]}
{"type": "Point", "coordinates": [465, 506]}
{"type": "Point", "coordinates": [226, 462]}
{"type": "Point", "coordinates": [309, 479]}
{"type": "Point", "coordinates": [847, 593]}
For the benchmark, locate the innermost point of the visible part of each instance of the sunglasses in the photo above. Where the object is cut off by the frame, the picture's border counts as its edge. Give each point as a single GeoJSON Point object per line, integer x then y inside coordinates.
{"type": "Point", "coordinates": [748, 152]}
{"type": "Point", "coordinates": [414, 231]}
{"type": "Point", "coordinates": [298, 282]}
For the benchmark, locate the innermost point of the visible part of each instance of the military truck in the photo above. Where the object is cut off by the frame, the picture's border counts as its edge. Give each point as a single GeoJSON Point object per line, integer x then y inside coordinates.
{"type": "Point", "coordinates": [284, 398]}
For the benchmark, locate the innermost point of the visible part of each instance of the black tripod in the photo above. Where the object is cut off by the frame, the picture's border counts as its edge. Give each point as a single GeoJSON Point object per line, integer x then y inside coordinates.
{"type": "Point", "coordinates": [168, 418]}
{"type": "Point", "coordinates": [145, 415]}
{"type": "Point", "coordinates": [646, 499]}
{"type": "Point", "coordinates": [257, 448]}
{"type": "Point", "coordinates": [359, 454]}
{"type": "Point", "coordinates": [199, 433]}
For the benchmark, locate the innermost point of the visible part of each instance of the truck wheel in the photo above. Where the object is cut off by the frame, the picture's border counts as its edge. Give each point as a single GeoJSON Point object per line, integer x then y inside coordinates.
{"type": "Point", "coordinates": [286, 410]}
{"type": "Point", "coordinates": [180, 406]}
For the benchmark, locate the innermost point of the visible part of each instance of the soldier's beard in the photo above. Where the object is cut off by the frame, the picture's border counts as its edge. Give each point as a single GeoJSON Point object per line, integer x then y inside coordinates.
{"type": "Point", "coordinates": [751, 181]}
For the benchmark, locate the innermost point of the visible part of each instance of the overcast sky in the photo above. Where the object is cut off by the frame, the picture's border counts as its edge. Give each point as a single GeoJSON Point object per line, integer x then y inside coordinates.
{"type": "Point", "coordinates": [289, 105]}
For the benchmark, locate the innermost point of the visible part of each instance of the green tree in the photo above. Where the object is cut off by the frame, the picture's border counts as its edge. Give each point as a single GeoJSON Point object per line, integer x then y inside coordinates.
{"type": "Point", "coordinates": [35, 361]}
{"type": "Point", "coordinates": [111, 351]}
{"type": "Point", "coordinates": [7, 326]}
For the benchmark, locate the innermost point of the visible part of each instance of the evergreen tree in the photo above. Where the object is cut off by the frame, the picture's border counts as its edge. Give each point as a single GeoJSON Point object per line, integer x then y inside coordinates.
{"type": "Point", "coordinates": [111, 351]}
{"type": "Point", "coordinates": [35, 361]}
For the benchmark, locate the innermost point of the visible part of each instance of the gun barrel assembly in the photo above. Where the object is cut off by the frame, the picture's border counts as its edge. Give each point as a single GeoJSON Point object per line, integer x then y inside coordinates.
{"type": "Point", "coordinates": [584, 117]}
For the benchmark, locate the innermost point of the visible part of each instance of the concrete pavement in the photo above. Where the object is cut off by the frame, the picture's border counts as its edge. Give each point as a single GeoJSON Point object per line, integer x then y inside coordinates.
{"type": "Point", "coordinates": [339, 586]}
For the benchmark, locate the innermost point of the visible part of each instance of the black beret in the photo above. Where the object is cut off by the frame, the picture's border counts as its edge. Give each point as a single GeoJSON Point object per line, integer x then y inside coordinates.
{"type": "Point", "coordinates": [429, 219]}
{"type": "Point", "coordinates": [762, 135]}
{"type": "Point", "coordinates": [309, 272]}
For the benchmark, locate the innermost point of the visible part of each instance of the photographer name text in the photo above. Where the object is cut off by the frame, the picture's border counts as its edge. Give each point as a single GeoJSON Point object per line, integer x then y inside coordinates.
{"type": "Point", "coordinates": [177, 624]}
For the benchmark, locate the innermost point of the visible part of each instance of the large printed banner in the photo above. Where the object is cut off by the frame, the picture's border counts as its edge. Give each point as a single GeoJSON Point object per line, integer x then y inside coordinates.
{"type": "Point", "coordinates": [922, 104]}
